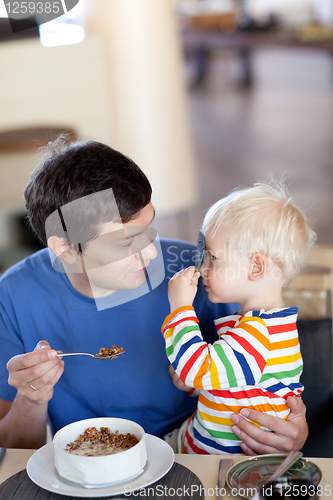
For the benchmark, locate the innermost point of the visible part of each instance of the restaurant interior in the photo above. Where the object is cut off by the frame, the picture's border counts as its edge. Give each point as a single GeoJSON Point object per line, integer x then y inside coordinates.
{"type": "Point", "coordinates": [206, 96]}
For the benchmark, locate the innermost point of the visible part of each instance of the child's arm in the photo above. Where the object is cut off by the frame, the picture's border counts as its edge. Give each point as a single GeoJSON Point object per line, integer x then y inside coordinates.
{"type": "Point", "coordinates": [237, 359]}
{"type": "Point", "coordinates": [182, 288]}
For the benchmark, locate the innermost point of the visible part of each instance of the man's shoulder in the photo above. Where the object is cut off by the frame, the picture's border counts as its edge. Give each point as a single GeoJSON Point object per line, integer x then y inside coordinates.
{"type": "Point", "coordinates": [38, 262]}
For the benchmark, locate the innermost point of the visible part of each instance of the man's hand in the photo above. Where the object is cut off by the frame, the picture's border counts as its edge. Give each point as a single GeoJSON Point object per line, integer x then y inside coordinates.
{"type": "Point", "coordinates": [40, 368]}
{"type": "Point", "coordinates": [183, 288]}
{"type": "Point", "coordinates": [177, 382]}
{"type": "Point", "coordinates": [287, 434]}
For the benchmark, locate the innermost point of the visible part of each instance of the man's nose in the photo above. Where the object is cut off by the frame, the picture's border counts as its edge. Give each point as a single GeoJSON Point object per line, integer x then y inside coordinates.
{"type": "Point", "coordinates": [149, 252]}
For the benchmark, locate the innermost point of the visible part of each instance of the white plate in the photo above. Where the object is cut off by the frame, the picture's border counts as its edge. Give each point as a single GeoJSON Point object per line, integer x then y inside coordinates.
{"type": "Point", "coordinates": [41, 470]}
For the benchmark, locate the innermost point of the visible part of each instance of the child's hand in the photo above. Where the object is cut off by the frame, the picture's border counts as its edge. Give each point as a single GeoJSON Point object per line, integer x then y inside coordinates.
{"type": "Point", "coordinates": [177, 382]}
{"type": "Point", "coordinates": [183, 288]}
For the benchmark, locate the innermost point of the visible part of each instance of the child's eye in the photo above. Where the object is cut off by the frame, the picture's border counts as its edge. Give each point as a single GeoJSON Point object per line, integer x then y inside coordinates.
{"type": "Point", "coordinates": [209, 257]}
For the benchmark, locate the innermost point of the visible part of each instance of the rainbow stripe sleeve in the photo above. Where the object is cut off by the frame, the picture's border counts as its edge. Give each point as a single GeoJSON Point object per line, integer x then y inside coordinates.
{"type": "Point", "coordinates": [237, 359]}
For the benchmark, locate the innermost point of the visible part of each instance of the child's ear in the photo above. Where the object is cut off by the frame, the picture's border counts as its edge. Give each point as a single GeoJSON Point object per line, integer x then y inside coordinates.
{"type": "Point", "coordinates": [62, 250]}
{"type": "Point", "coordinates": [258, 266]}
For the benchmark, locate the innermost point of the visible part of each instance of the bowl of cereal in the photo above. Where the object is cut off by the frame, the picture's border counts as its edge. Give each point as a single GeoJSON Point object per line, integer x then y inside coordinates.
{"type": "Point", "coordinates": [100, 451]}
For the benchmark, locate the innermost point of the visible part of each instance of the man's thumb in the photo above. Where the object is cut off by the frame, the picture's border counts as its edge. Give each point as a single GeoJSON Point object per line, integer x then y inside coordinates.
{"type": "Point", "coordinates": [42, 344]}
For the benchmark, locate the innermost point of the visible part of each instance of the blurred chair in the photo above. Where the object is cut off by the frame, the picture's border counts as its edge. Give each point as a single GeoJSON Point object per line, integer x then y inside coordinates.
{"type": "Point", "coordinates": [312, 292]}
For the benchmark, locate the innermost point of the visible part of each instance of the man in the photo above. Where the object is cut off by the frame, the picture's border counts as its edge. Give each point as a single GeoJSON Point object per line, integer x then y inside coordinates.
{"type": "Point", "coordinates": [103, 286]}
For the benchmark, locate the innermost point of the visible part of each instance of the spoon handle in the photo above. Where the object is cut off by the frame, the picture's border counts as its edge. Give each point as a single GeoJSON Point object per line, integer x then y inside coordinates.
{"type": "Point", "coordinates": [290, 459]}
{"type": "Point", "coordinates": [74, 354]}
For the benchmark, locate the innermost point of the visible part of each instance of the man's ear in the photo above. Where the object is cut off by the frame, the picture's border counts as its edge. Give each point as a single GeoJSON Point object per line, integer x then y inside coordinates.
{"type": "Point", "coordinates": [61, 249]}
{"type": "Point", "coordinates": [258, 266]}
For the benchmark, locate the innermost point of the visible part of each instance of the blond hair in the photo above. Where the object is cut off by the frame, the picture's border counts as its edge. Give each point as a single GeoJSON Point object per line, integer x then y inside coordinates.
{"type": "Point", "coordinates": [263, 218]}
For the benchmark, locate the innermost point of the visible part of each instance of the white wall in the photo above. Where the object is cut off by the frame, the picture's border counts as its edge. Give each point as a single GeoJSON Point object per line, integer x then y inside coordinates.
{"type": "Point", "coordinates": [60, 86]}
{"type": "Point", "coordinates": [63, 85]}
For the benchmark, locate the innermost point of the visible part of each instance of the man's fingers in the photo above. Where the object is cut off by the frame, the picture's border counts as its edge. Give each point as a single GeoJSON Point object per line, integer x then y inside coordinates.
{"type": "Point", "coordinates": [287, 435]}
{"type": "Point", "coordinates": [42, 344]}
{"type": "Point", "coordinates": [260, 440]}
{"type": "Point", "coordinates": [46, 378]}
{"type": "Point", "coordinates": [40, 390]}
{"type": "Point", "coordinates": [264, 420]}
{"type": "Point", "coordinates": [248, 450]}
{"type": "Point", "coordinates": [245, 428]}
{"type": "Point", "coordinates": [255, 441]}
{"type": "Point", "coordinates": [258, 449]}
{"type": "Point", "coordinates": [41, 365]}
{"type": "Point", "coordinates": [24, 361]}
{"type": "Point", "coordinates": [297, 407]}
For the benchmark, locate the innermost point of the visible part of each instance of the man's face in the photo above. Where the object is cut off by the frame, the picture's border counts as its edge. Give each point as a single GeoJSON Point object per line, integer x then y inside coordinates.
{"type": "Point", "coordinates": [118, 257]}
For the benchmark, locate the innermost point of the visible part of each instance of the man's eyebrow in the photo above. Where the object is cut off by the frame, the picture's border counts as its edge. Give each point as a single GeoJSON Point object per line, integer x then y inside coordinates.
{"type": "Point", "coordinates": [140, 230]}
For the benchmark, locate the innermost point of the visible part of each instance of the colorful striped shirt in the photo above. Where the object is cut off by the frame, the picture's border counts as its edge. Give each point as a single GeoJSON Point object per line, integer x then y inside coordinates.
{"type": "Point", "coordinates": [256, 363]}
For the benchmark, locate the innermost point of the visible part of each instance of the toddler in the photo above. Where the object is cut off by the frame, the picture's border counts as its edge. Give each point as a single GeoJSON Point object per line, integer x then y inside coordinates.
{"type": "Point", "coordinates": [256, 241]}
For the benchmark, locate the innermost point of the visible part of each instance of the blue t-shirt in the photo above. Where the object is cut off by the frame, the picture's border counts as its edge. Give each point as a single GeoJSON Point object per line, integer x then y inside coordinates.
{"type": "Point", "coordinates": [37, 302]}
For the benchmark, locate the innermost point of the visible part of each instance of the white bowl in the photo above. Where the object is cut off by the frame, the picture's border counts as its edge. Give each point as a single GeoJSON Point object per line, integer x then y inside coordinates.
{"type": "Point", "coordinates": [98, 470]}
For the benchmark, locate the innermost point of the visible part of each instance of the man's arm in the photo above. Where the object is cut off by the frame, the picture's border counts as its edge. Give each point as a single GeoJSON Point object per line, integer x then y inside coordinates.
{"type": "Point", "coordinates": [287, 434]}
{"type": "Point", "coordinates": [23, 422]}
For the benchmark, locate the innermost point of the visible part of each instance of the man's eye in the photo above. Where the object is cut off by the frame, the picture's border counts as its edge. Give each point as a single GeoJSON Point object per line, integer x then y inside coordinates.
{"type": "Point", "coordinates": [124, 243]}
{"type": "Point", "coordinates": [212, 257]}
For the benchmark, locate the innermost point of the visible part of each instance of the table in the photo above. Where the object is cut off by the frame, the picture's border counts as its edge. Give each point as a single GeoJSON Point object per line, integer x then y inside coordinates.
{"type": "Point", "coordinates": [205, 467]}
{"type": "Point", "coordinates": [199, 43]}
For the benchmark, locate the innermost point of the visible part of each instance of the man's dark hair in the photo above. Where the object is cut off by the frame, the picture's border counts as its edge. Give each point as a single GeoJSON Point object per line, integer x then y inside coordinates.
{"type": "Point", "coordinates": [71, 171]}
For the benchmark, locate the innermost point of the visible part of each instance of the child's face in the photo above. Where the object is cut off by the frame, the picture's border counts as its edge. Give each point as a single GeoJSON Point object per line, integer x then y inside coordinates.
{"type": "Point", "coordinates": [225, 272]}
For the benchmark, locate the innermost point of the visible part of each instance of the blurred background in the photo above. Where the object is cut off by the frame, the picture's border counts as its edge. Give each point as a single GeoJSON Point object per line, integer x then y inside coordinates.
{"type": "Point", "coordinates": [205, 95]}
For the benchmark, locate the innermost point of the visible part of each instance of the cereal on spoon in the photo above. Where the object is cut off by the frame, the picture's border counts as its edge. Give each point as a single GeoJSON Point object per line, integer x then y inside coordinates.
{"type": "Point", "coordinates": [112, 353]}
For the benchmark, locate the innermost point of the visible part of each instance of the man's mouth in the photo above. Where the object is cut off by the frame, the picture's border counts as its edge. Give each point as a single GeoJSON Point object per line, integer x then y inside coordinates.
{"type": "Point", "coordinates": [141, 271]}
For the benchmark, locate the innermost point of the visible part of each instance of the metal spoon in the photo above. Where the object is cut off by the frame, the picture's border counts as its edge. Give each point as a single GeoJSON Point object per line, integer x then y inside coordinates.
{"type": "Point", "coordinates": [290, 459]}
{"type": "Point", "coordinates": [285, 465]}
{"type": "Point", "coordinates": [97, 356]}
